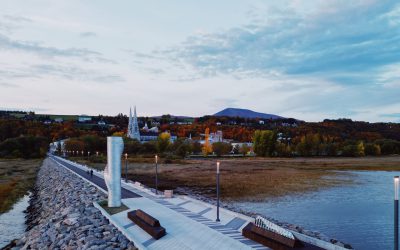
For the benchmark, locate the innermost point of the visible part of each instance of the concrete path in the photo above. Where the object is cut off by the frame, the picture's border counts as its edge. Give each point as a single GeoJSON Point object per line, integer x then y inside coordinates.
{"type": "Point", "coordinates": [190, 224]}
{"type": "Point", "coordinates": [94, 178]}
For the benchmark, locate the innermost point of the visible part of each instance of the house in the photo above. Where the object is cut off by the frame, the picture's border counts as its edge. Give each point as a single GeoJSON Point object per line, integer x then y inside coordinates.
{"type": "Point", "coordinates": [56, 145]}
{"type": "Point", "coordinates": [151, 135]}
{"type": "Point", "coordinates": [101, 123]}
{"type": "Point", "coordinates": [59, 120]}
{"type": "Point", "coordinates": [216, 137]}
{"type": "Point", "coordinates": [146, 136]}
{"type": "Point", "coordinates": [84, 118]}
{"type": "Point", "coordinates": [261, 122]}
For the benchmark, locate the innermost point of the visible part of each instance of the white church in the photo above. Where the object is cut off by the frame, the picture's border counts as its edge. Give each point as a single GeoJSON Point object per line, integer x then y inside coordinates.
{"type": "Point", "coordinates": [147, 134]}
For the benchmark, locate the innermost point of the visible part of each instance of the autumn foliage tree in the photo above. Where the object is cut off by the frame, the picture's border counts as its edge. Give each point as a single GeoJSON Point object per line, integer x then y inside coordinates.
{"type": "Point", "coordinates": [221, 148]}
{"type": "Point", "coordinates": [163, 142]}
{"type": "Point", "coordinates": [207, 148]}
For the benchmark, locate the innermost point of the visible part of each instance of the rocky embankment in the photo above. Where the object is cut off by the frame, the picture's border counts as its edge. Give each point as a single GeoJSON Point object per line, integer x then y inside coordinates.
{"type": "Point", "coordinates": [61, 215]}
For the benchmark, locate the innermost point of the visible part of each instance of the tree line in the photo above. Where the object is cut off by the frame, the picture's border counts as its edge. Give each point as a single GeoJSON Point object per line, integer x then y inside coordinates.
{"type": "Point", "coordinates": [267, 143]}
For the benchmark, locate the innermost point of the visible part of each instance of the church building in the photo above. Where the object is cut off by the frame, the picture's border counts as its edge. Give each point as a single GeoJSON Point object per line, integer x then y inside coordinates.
{"type": "Point", "coordinates": [147, 134]}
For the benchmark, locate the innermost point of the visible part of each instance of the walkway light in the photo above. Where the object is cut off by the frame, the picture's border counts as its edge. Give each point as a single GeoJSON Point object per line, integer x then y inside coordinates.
{"type": "Point", "coordinates": [396, 212]}
{"type": "Point", "coordinates": [217, 192]}
{"type": "Point", "coordinates": [156, 174]}
{"type": "Point", "coordinates": [126, 167]}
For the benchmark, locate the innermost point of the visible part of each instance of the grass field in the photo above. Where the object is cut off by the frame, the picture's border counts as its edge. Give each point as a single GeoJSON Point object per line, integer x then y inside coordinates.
{"type": "Point", "coordinates": [257, 178]}
{"type": "Point", "coordinates": [17, 176]}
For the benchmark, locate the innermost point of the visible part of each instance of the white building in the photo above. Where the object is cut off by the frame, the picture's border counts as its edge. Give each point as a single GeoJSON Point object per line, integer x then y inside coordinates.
{"type": "Point", "coordinates": [84, 118]}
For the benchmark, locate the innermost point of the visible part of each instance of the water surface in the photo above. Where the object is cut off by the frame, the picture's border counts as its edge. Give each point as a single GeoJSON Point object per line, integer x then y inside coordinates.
{"type": "Point", "coordinates": [12, 223]}
{"type": "Point", "coordinates": [360, 214]}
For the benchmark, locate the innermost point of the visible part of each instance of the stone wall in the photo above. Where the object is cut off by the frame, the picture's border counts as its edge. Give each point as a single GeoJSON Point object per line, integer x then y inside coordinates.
{"type": "Point", "coordinates": [61, 214]}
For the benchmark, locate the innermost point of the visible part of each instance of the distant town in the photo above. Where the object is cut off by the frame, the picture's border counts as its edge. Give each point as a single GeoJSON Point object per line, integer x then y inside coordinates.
{"type": "Point", "coordinates": [231, 132]}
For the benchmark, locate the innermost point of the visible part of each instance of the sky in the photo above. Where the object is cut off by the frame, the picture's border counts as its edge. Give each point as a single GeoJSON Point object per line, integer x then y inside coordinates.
{"type": "Point", "coordinates": [310, 60]}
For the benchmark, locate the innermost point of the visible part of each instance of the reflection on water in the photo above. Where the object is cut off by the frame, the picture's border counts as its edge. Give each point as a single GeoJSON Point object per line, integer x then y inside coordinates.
{"type": "Point", "coordinates": [360, 214]}
{"type": "Point", "coordinates": [12, 223]}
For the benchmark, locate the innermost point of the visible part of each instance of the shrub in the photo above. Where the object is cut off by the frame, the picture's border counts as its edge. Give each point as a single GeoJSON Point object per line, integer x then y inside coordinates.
{"type": "Point", "coordinates": [372, 149]}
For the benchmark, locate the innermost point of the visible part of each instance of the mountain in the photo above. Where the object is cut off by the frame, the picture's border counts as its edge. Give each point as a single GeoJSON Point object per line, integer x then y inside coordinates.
{"type": "Point", "coordinates": [246, 113]}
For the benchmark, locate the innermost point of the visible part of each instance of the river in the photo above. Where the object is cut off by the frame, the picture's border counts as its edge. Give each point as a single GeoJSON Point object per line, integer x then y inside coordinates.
{"type": "Point", "coordinates": [12, 223]}
{"type": "Point", "coordinates": [360, 214]}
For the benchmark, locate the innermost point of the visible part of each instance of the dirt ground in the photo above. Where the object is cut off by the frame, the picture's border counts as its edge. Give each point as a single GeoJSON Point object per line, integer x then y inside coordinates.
{"type": "Point", "coordinates": [17, 176]}
{"type": "Point", "coordinates": [256, 178]}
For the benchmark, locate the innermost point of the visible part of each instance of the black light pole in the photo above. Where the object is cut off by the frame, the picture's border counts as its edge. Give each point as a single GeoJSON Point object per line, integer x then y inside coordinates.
{"type": "Point", "coordinates": [88, 154]}
{"type": "Point", "coordinates": [396, 213]}
{"type": "Point", "coordinates": [217, 192]}
{"type": "Point", "coordinates": [156, 174]}
{"type": "Point", "coordinates": [126, 167]}
{"type": "Point", "coordinates": [82, 155]}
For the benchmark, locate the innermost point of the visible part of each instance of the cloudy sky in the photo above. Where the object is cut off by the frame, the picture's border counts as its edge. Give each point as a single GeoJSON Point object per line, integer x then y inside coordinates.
{"type": "Point", "coordinates": [309, 60]}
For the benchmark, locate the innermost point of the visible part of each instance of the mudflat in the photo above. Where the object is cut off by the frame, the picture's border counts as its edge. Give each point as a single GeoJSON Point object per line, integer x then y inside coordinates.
{"type": "Point", "coordinates": [257, 178]}
{"type": "Point", "coordinates": [17, 176]}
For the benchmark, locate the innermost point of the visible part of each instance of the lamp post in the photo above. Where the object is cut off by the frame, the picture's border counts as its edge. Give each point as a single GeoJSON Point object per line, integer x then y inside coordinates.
{"type": "Point", "coordinates": [396, 213]}
{"type": "Point", "coordinates": [126, 167]}
{"type": "Point", "coordinates": [88, 154]}
{"type": "Point", "coordinates": [97, 153]}
{"type": "Point", "coordinates": [82, 153]}
{"type": "Point", "coordinates": [217, 192]}
{"type": "Point", "coordinates": [156, 174]}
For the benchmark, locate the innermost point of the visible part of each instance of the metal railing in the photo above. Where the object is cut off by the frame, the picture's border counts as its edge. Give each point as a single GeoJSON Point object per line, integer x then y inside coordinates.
{"type": "Point", "coordinates": [266, 224]}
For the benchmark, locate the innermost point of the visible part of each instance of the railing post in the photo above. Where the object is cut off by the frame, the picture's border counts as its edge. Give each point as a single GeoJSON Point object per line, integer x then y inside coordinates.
{"type": "Point", "coordinates": [396, 213]}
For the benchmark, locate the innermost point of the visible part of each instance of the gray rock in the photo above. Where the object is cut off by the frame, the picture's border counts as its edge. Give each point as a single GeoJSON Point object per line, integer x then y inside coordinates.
{"type": "Point", "coordinates": [69, 220]}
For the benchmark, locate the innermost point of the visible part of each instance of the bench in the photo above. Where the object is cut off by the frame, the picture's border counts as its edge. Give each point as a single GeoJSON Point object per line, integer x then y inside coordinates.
{"type": "Point", "coordinates": [270, 239]}
{"type": "Point", "coordinates": [147, 223]}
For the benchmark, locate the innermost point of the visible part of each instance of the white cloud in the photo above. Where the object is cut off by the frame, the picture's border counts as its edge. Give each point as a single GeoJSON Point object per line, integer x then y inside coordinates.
{"type": "Point", "coordinates": [306, 59]}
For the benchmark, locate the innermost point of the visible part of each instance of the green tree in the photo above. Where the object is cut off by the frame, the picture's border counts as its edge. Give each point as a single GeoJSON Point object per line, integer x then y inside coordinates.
{"type": "Point", "coordinates": [372, 149]}
{"type": "Point", "coordinates": [331, 149]}
{"type": "Point", "coordinates": [309, 145]}
{"type": "Point", "coordinates": [388, 146]}
{"type": "Point", "coordinates": [196, 147]}
{"type": "Point", "coordinates": [132, 146]}
{"type": "Point", "coordinates": [24, 146]}
{"type": "Point", "coordinates": [181, 147]}
{"type": "Point", "coordinates": [354, 150]}
{"type": "Point", "coordinates": [264, 142]}
{"type": "Point", "coordinates": [282, 149]}
{"type": "Point", "coordinates": [149, 147]}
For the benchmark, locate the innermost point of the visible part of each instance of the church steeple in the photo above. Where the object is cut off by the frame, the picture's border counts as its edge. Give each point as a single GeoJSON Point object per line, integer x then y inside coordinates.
{"type": "Point", "coordinates": [133, 127]}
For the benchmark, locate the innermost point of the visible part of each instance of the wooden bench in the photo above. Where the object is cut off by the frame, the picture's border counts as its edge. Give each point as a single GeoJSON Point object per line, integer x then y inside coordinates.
{"type": "Point", "coordinates": [270, 238]}
{"type": "Point", "coordinates": [147, 223]}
